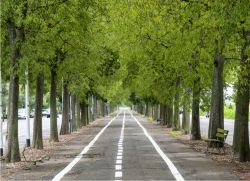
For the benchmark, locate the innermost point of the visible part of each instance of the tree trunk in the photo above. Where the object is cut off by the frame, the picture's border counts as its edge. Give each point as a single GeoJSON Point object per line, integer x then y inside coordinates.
{"type": "Point", "coordinates": [73, 107]}
{"type": "Point", "coordinates": [217, 101]}
{"type": "Point", "coordinates": [146, 109]}
{"type": "Point", "coordinates": [65, 114]}
{"type": "Point", "coordinates": [241, 132]}
{"type": "Point", "coordinates": [176, 125]}
{"type": "Point", "coordinates": [13, 154]}
{"type": "Point", "coordinates": [103, 109]}
{"type": "Point", "coordinates": [83, 113]}
{"type": "Point", "coordinates": [78, 113]}
{"type": "Point", "coordinates": [170, 115]}
{"type": "Point", "coordinates": [186, 113]}
{"type": "Point", "coordinates": [195, 130]}
{"type": "Point", "coordinates": [165, 115]}
{"type": "Point", "coordinates": [37, 128]}
{"type": "Point", "coordinates": [161, 111]}
{"type": "Point", "coordinates": [53, 111]}
{"type": "Point", "coordinates": [94, 108]}
{"type": "Point", "coordinates": [86, 114]}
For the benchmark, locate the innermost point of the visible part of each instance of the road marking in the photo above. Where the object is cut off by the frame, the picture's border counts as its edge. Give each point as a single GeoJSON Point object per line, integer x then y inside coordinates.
{"type": "Point", "coordinates": [60, 175]}
{"type": "Point", "coordinates": [118, 167]}
{"type": "Point", "coordinates": [118, 161]}
{"type": "Point", "coordinates": [169, 163]}
{"type": "Point", "coordinates": [118, 174]}
{"type": "Point", "coordinates": [119, 157]}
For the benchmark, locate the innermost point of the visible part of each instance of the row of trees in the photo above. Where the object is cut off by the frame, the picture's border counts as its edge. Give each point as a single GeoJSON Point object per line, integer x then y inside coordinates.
{"type": "Point", "coordinates": [177, 53]}
{"type": "Point", "coordinates": [183, 53]}
{"type": "Point", "coordinates": [54, 42]}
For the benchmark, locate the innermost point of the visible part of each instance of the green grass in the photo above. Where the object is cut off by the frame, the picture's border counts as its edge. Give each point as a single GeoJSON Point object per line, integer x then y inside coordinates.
{"type": "Point", "coordinates": [150, 119]}
{"type": "Point", "coordinates": [176, 133]}
{"type": "Point", "coordinates": [229, 112]}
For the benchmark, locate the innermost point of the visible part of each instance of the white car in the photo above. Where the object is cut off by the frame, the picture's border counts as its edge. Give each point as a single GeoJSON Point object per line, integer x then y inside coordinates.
{"type": "Point", "coordinates": [46, 113]}
{"type": "Point", "coordinates": [21, 114]}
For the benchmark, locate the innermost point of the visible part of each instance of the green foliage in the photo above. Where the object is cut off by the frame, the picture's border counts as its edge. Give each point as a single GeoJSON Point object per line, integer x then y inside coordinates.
{"type": "Point", "coordinates": [127, 51]}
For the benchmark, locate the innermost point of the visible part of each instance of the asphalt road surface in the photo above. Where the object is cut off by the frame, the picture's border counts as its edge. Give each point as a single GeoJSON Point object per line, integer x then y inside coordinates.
{"type": "Point", "coordinates": [126, 147]}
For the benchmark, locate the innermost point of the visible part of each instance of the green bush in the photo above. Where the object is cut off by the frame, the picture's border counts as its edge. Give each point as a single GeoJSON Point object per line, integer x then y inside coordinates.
{"type": "Point", "coordinates": [229, 111]}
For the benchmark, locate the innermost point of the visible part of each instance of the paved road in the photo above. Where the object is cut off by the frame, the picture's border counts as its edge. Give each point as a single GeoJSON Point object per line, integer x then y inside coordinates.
{"type": "Point", "coordinates": [126, 148]}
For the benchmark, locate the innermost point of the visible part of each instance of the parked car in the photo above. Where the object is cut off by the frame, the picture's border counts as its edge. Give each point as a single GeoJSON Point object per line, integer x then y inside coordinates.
{"type": "Point", "coordinates": [21, 113]}
{"type": "Point", "coordinates": [46, 113]}
{"type": "Point", "coordinates": [4, 116]}
{"type": "Point", "coordinates": [32, 113]}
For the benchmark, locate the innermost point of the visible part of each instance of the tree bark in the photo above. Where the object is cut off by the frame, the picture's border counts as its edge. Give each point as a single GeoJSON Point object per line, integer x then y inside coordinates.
{"type": "Point", "coordinates": [86, 114]}
{"type": "Point", "coordinates": [103, 109]}
{"type": "Point", "coordinates": [217, 101]}
{"type": "Point", "coordinates": [83, 113]}
{"type": "Point", "coordinates": [195, 130]}
{"type": "Point", "coordinates": [146, 109]}
{"type": "Point", "coordinates": [73, 107]}
{"type": "Point", "coordinates": [161, 111]}
{"type": "Point", "coordinates": [78, 113]}
{"type": "Point", "coordinates": [170, 114]}
{"type": "Point", "coordinates": [186, 113]}
{"type": "Point", "coordinates": [13, 154]}
{"type": "Point", "coordinates": [37, 128]}
{"type": "Point", "coordinates": [65, 114]}
{"type": "Point", "coordinates": [241, 132]}
{"type": "Point", "coordinates": [176, 125]}
{"type": "Point", "coordinates": [165, 114]}
{"type": "Point", "coordinates": [94, 108]}
{"type": "Point", "coordinates": [53, 111]}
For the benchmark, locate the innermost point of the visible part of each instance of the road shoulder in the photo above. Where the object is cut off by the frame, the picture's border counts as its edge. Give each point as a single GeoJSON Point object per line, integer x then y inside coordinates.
{"type": "Point", "coordinates": [191, 164]}
{"type": "Point", "coordinates": [45, 164]}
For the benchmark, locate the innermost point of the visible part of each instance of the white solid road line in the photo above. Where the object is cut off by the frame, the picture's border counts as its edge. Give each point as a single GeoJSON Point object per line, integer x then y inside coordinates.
{"type": "Point", "coordinates": [60, 175]}
{"type": "Point", "coordinates": [169, 163]}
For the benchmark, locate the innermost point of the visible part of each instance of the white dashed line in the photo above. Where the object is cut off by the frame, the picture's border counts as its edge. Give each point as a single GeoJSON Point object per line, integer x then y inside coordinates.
{"type": "Point", "coordinates": [60, 175]}
{"type": "Point", "coordinates": [118, 174]}
{"type": "Point", "coordinates": [118, 166]}
{"type": "Point", "coordinates": [119, 157]}
{"type": "Point", "coordinates": [118, 161]}
{"type": "Point", "coordinates": [169, 163]}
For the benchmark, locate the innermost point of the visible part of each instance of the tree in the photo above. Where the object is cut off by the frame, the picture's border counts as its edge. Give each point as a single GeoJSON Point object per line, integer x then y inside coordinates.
{"type": "Point", "coordinates": [37, 132]}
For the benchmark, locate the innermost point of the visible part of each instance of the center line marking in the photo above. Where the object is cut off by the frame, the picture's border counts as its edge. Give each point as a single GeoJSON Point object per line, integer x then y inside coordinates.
{"type": "Point", "coordinates": [169, 163]}
{"type": "Point", "coordinates": [118, 167]}
{"type": "Point", "coordinates": [60, 175]}
{"type": "Point", "coordinates": [118, 174]}
{"type": "Point", "coordinates": [119, 157]}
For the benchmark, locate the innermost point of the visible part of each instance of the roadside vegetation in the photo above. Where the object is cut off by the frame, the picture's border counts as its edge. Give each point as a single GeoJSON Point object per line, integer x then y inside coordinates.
{"type": "Point", "coordinates": [162, 58]}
